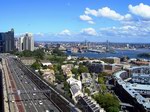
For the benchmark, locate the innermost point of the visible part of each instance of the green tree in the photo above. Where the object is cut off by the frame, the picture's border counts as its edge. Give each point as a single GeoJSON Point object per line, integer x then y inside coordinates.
{"type": "Point", "coordinates": [66, 86]}
{"type": "Point", "coordinates": [83, 69]}
{"type": "Point", "coordinates": [112, 109]}
{"type": "Point", "coordinates": [107, 101]}
{"type": "Point", "coordinates": [57, 59]}
{"type": "Point", "coordinates": [57, 52]}
{"type": "Point", "coordinates": [39, 54]}
{"type": "Point", "coordinates": [27, 53]}
{"type": "Point", "coordinates": [67, 89]}
{"type": "Point", "coordinates": [74, 70]}
{"type": "Point", "coordinates": [60, 77]}
{"type": "Point", "coordinates": [100, 80]}
{"type": "Point", "coordinates": [102, 74]}
{"type": "Point", "coordinates": [36, 65]}
{"type": "Point", "coordinates": [103, 87]}
{"type": "Point", "coordinates": [87, 91]}
{"type": "Point", "coordinates": [57, 68]}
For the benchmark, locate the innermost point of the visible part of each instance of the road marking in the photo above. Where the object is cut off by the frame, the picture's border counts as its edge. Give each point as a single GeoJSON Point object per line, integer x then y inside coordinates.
{"type": "Point", "coordinates": [25, 90]}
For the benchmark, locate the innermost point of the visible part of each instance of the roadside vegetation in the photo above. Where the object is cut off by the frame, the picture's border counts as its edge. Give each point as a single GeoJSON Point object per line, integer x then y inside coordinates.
{"type": "Point", "coordinates": [108, 101]}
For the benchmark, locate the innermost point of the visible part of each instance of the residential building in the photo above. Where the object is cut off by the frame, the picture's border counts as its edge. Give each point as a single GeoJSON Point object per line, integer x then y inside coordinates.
{"type": "Point", "coordinates": [111, 60]}
{"type": "Point", "coordinates": [48, 75]}
{"type": "Point", "coordinates": [69, 66]}
{"type": "Point", "coordinates": [7, 41]}
{"type": "Point", "coordinates": [132, 93]}
{"type": "Point", "coordinates": [90, 104]}
{"type": "Point", "coordinates": [76, 92]}
{"type": "Point", "coordinates": [110, 68]}
{"type": "Point", "coordinates": [73, 81]}
{"type": "Point", "coordinates": [46, 63]}
{"type": "Point", "coordinates": [16, 43]}
{"type": "Point", "coordinates": [21, 44]}
{"type": "Point", "coordinates": [67, 69]}
{"type": "Point", "coordinates": [75, 89]}
{"type": "Point", "coordinates": [26, 42]}
{"type": "Point", "coordinates": [86, 78]}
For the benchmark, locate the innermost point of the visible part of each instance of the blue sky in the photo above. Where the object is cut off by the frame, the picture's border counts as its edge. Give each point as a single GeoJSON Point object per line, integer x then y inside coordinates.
{"type": "Point", "coordinates": [77, 20]}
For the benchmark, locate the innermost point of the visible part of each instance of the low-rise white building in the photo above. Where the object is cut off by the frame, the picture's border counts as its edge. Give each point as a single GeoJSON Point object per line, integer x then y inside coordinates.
{"type": "Point", "coordinates": [73, 81]}
{"type": "Point", "coordinates": [86, 78]}
{"type": "Point", "coordinates": [46, 63]}
{"type": "Point", "coordinates": [75, 89]}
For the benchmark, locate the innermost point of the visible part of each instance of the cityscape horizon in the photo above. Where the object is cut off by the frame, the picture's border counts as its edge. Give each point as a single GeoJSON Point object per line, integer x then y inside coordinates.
{"type": "Point", "coordinates": [74, 56]}
{"type": "Point", "coordinates": [92, 20]}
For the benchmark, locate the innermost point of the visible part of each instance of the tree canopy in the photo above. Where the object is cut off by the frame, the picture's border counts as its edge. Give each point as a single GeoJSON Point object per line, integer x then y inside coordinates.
{"type": "Point", "coordinates": [74, 71]}
{"type": "Point", "coordinates": [38, 54]}
{"type": "Point", "coordinates": [57, 52]}
{"type": "Point", "coordinates": [109, 102]}
{"type": "Point", "coordinates": [36, 65]}
{"type": "Point", "coordinates": [83, 69]}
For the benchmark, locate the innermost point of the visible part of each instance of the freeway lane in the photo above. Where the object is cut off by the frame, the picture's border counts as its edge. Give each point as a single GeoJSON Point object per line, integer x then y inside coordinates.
{"type": "Point", "coordinates": [31, 101]}
{"type": "Point", "coordinates": [19, 86]}
{"type": "Point", "coordinates": [13, 86]}
{"type": "Point", "coordinates": [57, 99]}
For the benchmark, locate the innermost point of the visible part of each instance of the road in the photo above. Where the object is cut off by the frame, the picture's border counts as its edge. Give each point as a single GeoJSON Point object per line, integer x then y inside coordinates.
{"type": "Point", "coordinates": [28, 91]}
{"type": "Point", "coordinates": [63, 103]}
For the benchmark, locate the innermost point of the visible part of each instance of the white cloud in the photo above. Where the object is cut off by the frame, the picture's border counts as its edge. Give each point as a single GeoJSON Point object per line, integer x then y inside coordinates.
{"type": "Point", "coordinates": [91, 22]}
{"type": "Point", "coordinates": [127, 17]}
{"type": "Point", "coordinates": [108, 13]}
{"type": "Point", "coordinates": [39, 34]}
{"type": "Point", "coordinates": [140, 10]}
{"type": "Point", "coordinates": [85, 18]}
{"type": "Point", "coordinates": [89, 32]}
{"type": "Point", "coordinates": [134, 29]}
{"type": "Point", "coordinates": [90, 12]}
{"type": "Point", "coordinates": [65, 32]}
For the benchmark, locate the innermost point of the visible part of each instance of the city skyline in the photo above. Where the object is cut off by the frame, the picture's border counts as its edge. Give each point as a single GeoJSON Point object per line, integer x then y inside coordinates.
{"type": "Point", "coordinates": [75, 20]}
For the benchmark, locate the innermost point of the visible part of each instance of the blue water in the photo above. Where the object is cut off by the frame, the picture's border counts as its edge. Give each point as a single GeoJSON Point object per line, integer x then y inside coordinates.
{"type": "Point", "coordinates": [118, 53]}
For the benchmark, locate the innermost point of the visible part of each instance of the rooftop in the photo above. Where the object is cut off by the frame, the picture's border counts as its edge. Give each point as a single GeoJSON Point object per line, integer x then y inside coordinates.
{"type": "Point", "coordinates": [131, 89]}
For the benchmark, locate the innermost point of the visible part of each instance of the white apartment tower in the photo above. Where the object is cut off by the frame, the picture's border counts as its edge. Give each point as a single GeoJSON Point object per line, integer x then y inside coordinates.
{"type": "Point", "coordinates": [26, 42]}
{"type": "Point", "coordinates": [21, 43]}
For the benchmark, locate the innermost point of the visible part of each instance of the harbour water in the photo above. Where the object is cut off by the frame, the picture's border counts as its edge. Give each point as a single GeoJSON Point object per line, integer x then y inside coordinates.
{"type": "Point", "coordinates": [117, 53]}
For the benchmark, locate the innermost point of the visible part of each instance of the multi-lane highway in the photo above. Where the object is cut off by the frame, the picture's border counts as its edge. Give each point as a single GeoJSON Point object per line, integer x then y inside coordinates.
{"type": "Point", "coordinates": [30, 95]}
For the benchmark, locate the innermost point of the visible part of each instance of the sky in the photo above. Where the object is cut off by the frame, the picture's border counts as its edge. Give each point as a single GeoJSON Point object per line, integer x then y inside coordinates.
{"type": "Point", "coordinates": [78, 20]}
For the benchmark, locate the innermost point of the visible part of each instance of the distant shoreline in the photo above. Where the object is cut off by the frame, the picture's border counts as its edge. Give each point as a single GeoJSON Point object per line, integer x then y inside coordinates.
{"type": "Point", "coordinates": [118, 53]}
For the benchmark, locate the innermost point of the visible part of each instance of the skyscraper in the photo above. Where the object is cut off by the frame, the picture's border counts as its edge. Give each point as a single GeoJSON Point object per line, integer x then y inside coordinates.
{"type": "Point", "coordinates": [21, 44]}
{"type": "Point", "coordinates": [7, 41]}
{"type": "Point", "coordinates": [16, 43]}
{"type": "Point", "coordinates": [26, 42]}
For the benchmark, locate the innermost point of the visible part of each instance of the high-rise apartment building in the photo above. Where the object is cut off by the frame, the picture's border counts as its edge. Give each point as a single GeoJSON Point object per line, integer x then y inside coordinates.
{"type": "Point", "coordinates": [16, 43]}
{"type": "Point", "coordinates": [26, 42]}
{"type": "Point", "coordinates": [21, 44]}
{"type": "Point", "coordinates": [7, 41]}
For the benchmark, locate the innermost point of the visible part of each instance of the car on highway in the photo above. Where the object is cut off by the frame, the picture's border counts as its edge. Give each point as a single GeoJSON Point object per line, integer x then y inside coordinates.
{"type": "Point", "coordinates": [12, 101]}
{"type": "Point", "coordinates": [40, 102]}
{"type": "Point", "coordinates": [34, 88]}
